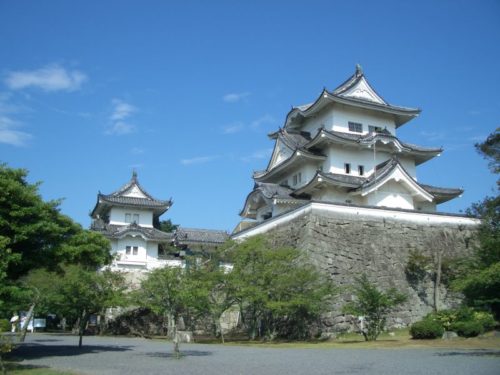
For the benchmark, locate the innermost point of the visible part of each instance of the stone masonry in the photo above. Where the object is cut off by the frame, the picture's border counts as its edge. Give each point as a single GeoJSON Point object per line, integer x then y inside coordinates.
{"type": "Point", "coordinates": [344, 247]}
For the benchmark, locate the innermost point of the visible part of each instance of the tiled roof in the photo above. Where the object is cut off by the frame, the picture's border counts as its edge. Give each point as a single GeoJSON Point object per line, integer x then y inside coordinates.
{"type": "Point", "coordinates": [118, 231]}
{"type": "Point", "coordinates": [200, 236]}
{"type": "Point", "coordinates": [134, 201]}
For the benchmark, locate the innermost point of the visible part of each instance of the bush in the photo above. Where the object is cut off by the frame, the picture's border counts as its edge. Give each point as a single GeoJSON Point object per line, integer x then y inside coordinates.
{"type": "Point", "coordinates": [4, 325]}
{"type": "Point", "coordinates": [467, 328]}
{"type": "Point", "coordinates": [485, 319]}
{"type": "Point", "coordinates": [426, 329]}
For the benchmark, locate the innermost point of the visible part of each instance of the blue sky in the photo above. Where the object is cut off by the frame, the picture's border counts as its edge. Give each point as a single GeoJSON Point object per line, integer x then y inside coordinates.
{"type": "Point", "coordinates": [186, 92]}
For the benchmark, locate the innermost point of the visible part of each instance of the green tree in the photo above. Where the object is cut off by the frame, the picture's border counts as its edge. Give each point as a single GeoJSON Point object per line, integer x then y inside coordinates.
{"type": "Point", "coordinates": [166, 291]}
{"type": "Point", "coordinates": [480, 280]}
{"type": "Point", "coordinates": [34, 234]}
{"type": "Point", "coordinates": [76, 293]}
{"type": "Point", "coordinates": [373, 305]}
{"type": "Point", "coordinates": [279, 291]}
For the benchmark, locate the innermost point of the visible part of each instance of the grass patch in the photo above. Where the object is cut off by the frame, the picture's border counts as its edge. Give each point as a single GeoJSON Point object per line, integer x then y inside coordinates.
{"type": "Point", "coordinates": [398, 339]}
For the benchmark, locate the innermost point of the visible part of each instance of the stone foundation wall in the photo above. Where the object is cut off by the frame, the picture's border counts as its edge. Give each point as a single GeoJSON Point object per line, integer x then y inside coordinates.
{"type": "Point", "coordinates": [346, 246]}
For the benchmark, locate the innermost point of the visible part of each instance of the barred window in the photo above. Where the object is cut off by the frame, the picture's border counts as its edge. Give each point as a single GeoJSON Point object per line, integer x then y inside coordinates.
{"type": "Point", "coordinates": [355, 127]}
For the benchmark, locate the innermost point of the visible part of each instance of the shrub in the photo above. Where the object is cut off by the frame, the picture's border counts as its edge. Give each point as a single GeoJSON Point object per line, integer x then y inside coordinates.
{"type": "Point", "coordinates": [4, 325]}
{"type": "Point", "coordinates": [485, 319]}
{"type": "Point", "coordinates": [467, 328]}
{"type": "Point", "coordinates": [426, 329]}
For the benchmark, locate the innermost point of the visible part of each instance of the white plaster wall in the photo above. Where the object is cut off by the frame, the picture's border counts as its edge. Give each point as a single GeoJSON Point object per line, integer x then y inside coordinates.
{"type": "Point", "coordinates": [117, 216]}
{"type": "Point", "coordinates": [132, 241]}
{"type": "Point", "coordinates": [409, 166]}
{"type": "Point", "coordinates": [322, 119]}
{"type": "Point", "coordinates": [337, 157]}
{"type": "Point", "coordinates": [426, 206]}
{"type": "Point", "coordinates": [151, 251]}
{"type": "Point", "coordinates": [343, 114]}
{"type": "Point", "coordinates": [391, 195]}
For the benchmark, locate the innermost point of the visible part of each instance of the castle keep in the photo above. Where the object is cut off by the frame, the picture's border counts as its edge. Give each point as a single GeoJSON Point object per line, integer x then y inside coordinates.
{"type": "Point", "coordinates": [342, 186]}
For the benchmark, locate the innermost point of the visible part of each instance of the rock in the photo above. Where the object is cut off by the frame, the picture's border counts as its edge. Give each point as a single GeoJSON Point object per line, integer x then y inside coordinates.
{"type": "Point", "coordinates": [185, 336]}
{"type": "Point", "coordinates": [449, 335]}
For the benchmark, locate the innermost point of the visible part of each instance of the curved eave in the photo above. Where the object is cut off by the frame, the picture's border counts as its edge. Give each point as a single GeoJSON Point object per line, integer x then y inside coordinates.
{"type": "Point", "coordinates": [285, 164]}
{"type": "Point", "coordinates": [419, 153]}
{"type": "Point", "coordinates": [401, 114]}
{"type": "Point", "coordinates": [391, 173]}
{"type": "Point", "coordinates": [158, 207]}
{"type": "Point", "coordinates": [442, 195]}
{"type": "Point", "coordinates": [247, 211]}
{"type": "Point", "coordinates": [321, 178]}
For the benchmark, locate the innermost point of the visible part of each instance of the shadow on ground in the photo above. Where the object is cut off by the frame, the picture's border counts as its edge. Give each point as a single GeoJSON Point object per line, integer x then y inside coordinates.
{"type": "Point", "coordinates": [33, 351]}
{"type": "Point", "coordinates": [184, 353]}
{"type": "Point", "coordinates": [470, 353]}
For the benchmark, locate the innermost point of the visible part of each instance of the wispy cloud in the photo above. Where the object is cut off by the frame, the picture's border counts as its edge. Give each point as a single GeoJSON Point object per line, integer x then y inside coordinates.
{"type": "Point", "coordinates": [233, 128]}
{"type": "Point", "coordinates": [9, 133]}
{"type": "Point", "coordinates": [49, 78]}
{"type": "Point", "coordinates": [235, 96]}
{"type": "Point", "coordinates": [199, 160]}
{"type": "Point", "coordinates": [137, 151]}
{"type": "Point", "coordinates": [121, 111]}
{"type": "Point", "coordinates": [267, 119]}
{"type": "Point", "coordinates": [257, 155]}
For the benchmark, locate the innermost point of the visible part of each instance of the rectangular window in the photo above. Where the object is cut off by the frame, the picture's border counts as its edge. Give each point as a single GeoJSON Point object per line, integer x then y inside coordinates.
{"type": "Point", "coordinates": [135, 250]}
{"type": "Point", "coordinates": [297, 178]}
{"type": "Point", "coordinates": [128, 218]}
{"type": "Point", "coordinates": [347, 168]}
{"type": "Point", "coordinates": [128, 250]}
{"type": "Point", "coordinates": [361, 170]}
{"type": "Point", "coordinates": [294, 179]}
{"type": "Point", "coordinates": [136, 218]}
{"type": "Point", "coordinates": [374, 129]}
{"type": "Point", "coordinates": [355, 127]}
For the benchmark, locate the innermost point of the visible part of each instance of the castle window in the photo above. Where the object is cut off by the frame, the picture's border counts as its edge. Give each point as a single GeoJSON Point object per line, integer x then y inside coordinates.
{"type": "Point", "coordinates": [297, 178]}
{"type": "Point", "coordinates": [355, 127]}
{"type": "Point", "coordinates": [128, 250]}
{"type": "Point", "coordinates": [136, 218]}
{"type": "Point", "coordinates": [347, 168]}
{"type": "Point", "coordinates": [361, 170]}
{"type": "Point", "coordinates": [374, 129]}
{"type": "Point", "coordinates": [131, 250]}
{"type": "Point", "coordinates": [128, 218]}
{"type": "Point", "coordinates": [135, 250]}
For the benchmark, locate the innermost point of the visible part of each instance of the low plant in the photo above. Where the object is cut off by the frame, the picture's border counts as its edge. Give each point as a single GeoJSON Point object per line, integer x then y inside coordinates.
{"type": "Point", "coordinates": [486, 319]}
{"type": "Point", "coordinates": [467, 328]}
{"type": "Point", "coordinates": [4, 325]}
{"type": "Point", "coordinates": [426, 329]}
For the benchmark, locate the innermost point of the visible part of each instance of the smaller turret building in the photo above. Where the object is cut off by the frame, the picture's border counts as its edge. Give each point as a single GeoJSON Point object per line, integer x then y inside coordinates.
{"type": "Point", "coordinates": [130, 219]}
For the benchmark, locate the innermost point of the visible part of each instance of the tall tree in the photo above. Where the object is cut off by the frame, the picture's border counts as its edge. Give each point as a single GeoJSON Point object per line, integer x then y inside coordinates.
{"type": "Point", "coordinates": [279, 291]}
{"type": "Point", "coordinates": [480, 283]}
{"type": "Point", "coordinates": [373, 305]}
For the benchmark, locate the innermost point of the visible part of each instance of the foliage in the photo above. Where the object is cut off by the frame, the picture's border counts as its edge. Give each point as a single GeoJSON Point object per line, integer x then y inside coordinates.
{"type": "Point", "coordinates": [34, 234]}
{"type": "Point", "coordinates": [279, 292]}
{"type": "Point", "coordinates": [75, 293]}
{"type": "Point", "coordinates": [165, 225]}
{"type": "Point", "coordinates": [168, 292]}
{"type": "Point", "coordinates": [426, 329]}
{"type": "Point", "coordinates": [417, 266]}
{"type": "Point", "coordinates": [467, 328]}
{"type": "Point", "coordinates": [490, 149]}
{"type": "Point", "coordinates": [374, 305]}
{"type": "Point", "coordinates": [4, 325]}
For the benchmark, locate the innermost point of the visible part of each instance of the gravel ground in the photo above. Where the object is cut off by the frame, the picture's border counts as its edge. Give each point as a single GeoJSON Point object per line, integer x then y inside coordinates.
{"type": "Point", "coordinates": [110, 355]}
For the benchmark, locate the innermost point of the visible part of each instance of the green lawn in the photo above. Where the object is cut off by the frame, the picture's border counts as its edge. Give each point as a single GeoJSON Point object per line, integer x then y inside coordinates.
{"type": "Point", "coordinates": [18, 369]}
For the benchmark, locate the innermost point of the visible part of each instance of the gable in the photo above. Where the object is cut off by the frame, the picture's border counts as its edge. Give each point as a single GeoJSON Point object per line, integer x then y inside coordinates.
{"type": "Point", "coordinates": [362, 90]}
{"type": "Point", "coordinates": [135, 192]}
{"type": "Point", "coordinates": [281, 153]}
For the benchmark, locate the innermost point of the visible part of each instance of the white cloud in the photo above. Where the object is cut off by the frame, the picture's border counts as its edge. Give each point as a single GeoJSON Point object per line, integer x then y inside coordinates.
{"type": "Point", "coordinates": [433, 136]}
{"type": "Point", "coordinates": [48, 78]}
{"type": "Point", "coordinates": [199, 160]}
{"type": "Point", "coordinates": [233, 128]}
{"type": "Point", "coordinates": [235, 96]}
{"type": "Point", "coordinates": [8, 125]}
{"type": "Point", "coordinates": [137, 151]}
{"type": "Point", "coordinates": [267, 119]}
{"type": "Point", "coordinates": [9, 135]}
{"type": "Point", "coordinates": [121, 128]}
{"type": "Point", "coordinates": [121, 112]}
{"type": "Point", "coordinates": [258, 155]}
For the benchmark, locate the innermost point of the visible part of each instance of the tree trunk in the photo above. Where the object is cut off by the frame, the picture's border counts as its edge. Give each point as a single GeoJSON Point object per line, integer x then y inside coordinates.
{"type": "Point", "coordinates": [175, 340]}
{"type": "Point", "coordinates": [81, 328]}
{"type": "Point", "coordinates": [219, 328]}
{"type": "Point", "coordinates": [437, 280]}
{"type": "Point", "coordinates": [24, 327]}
